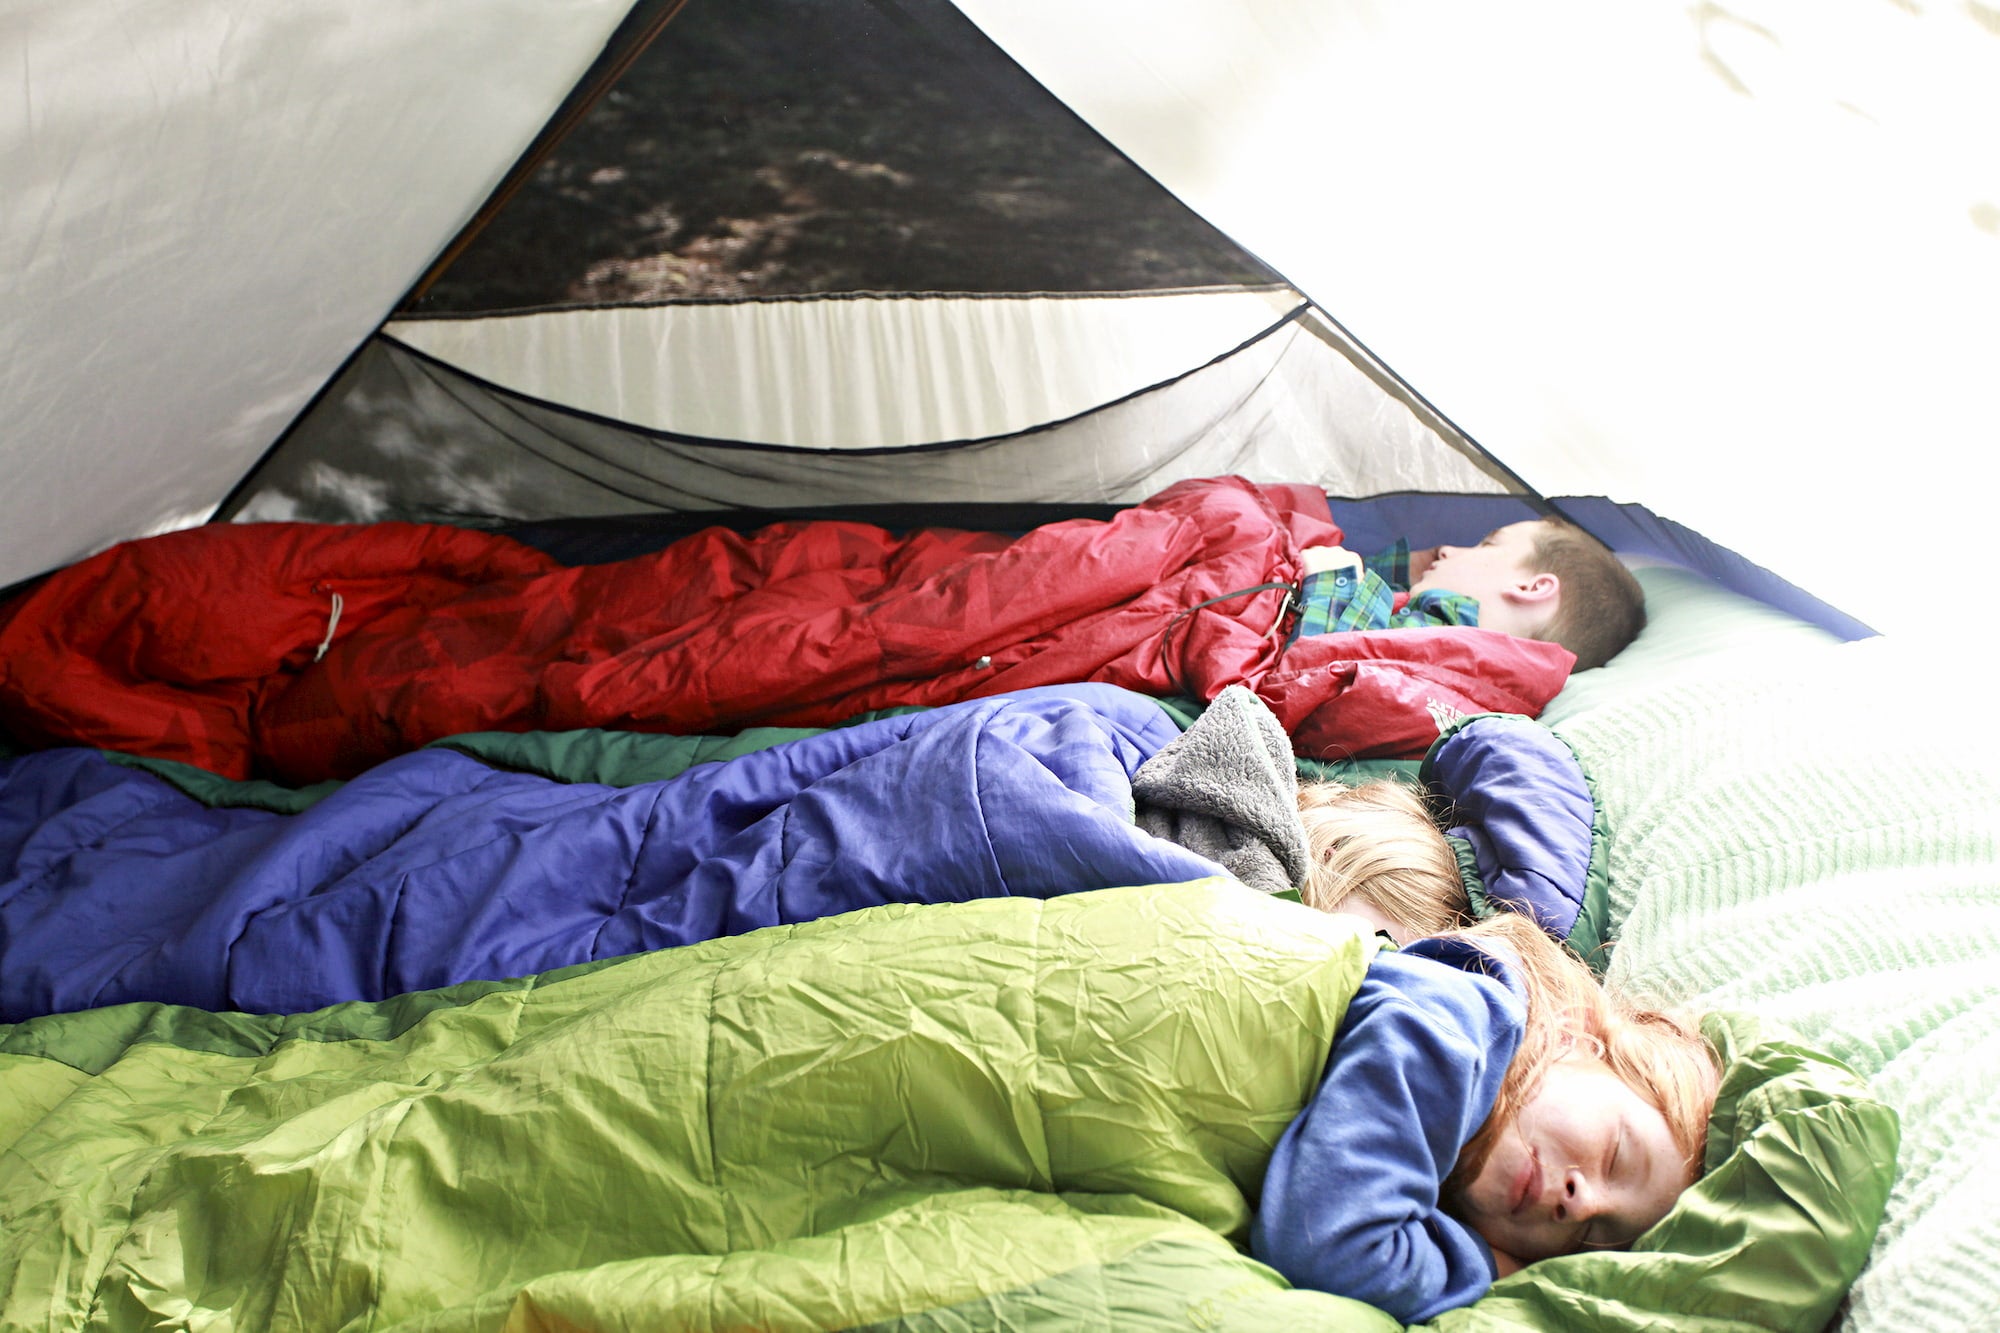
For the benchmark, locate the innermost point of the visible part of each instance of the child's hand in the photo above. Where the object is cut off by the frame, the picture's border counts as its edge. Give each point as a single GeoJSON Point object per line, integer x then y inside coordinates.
{"type": "Point", "coordinates": [1320, 559]}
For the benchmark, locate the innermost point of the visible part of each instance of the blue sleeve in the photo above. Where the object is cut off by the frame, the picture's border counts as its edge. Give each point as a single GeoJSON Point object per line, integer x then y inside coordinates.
{"type": "Point", "coordinates": [1350, 1204]}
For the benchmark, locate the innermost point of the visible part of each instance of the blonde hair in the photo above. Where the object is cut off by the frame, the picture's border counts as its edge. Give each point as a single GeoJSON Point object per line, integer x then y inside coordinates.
{"type": "Point", "coordinates": [1661, 1056]}
{"type": "Point", "coordinates": [1378, 842]}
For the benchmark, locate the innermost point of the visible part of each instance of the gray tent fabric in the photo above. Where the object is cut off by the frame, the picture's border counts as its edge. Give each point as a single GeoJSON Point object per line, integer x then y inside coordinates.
{"type": "Point", "coordinates": [1226, 789]}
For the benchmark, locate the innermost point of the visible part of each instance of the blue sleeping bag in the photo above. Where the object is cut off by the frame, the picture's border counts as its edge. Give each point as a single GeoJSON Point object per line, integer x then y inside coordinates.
{"type": "Point", "coordinates": [435, 868]}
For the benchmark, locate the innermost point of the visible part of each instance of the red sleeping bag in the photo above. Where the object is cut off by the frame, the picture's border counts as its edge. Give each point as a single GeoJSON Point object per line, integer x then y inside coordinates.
{"type": "Point", "coordinates": [201, 645]}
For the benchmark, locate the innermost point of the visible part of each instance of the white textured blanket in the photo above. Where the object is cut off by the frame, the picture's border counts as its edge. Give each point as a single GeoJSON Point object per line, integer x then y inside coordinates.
{"type": "Point", "coordinates": [1812, 832]}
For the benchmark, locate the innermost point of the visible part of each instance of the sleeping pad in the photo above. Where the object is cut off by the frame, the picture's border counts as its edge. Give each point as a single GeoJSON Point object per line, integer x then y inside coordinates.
{"type": "Point", "coordinates": [435, 868]}
{"type": "Point", "coordinates": [306, 651]}
{"type": "Point", "coordinates": [999, 1115]}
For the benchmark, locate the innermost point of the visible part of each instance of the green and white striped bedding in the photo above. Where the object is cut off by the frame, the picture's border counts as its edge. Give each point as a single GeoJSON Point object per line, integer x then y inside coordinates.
{"type": "Point", "coordinates": [1811, 831]}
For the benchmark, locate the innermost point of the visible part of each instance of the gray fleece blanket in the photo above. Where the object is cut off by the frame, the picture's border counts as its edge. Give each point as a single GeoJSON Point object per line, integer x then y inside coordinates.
{"type": "Point", "coordinates": [1226, 789]}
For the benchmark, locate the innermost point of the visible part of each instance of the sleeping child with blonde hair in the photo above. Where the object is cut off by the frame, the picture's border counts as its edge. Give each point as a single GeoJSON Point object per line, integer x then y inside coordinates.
{"type": "Point", "coordinates": [1514, 1110]}
{"type": "Point", "coordinates": [1486, 1103]}
{"type": "Point", "coordinates": [1375, 853]}
{"type": "Point", "coordinates": [1228, 789]}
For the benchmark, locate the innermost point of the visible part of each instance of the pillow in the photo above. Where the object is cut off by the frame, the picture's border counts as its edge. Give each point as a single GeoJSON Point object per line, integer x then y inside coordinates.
{"type": "Point", "coordinates": [1693, 627]}
{"type": "Point", "coordinates": [1813, 836]}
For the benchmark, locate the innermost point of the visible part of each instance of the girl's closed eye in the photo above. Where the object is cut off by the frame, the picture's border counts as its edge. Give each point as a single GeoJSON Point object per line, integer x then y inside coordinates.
{"type": "Point", "coordinates": [1602, 1232]}
{"type": "Point", "coordinates": [1620, 1161]}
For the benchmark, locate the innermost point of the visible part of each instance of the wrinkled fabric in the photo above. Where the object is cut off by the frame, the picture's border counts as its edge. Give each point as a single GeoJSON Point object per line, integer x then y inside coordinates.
{"type": "Point", "coordinates": [434, 868]}
{"type": "Point", "coordinates": [808, 1127]}
{"type": "Point", "coordinates": [1012, 1113]}
{"type": "Point", "coordinates": [205, 646]}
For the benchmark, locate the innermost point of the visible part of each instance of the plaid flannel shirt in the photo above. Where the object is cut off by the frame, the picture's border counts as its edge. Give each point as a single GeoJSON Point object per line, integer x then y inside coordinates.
{"type": "Point", "coordinates": [1344, 599]}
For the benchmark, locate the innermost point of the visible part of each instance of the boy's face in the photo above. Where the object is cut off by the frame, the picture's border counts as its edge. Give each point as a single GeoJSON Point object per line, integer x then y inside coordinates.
{"type": "Point", "coordinates": [1587, 1164]}
{"type": "Point", "coordinates": [1498, 574]}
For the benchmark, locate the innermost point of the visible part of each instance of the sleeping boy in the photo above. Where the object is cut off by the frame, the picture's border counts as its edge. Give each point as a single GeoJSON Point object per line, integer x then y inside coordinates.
{"type": "Point", "coordinates": [1541, 579]}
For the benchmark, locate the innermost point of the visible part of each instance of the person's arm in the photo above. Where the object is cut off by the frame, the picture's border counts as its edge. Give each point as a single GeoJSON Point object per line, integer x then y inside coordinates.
{"type": "Point", "coordinates": [1325, 559]}
{"type": "Point", "coordinates": [1339, 592]}
{"type": "Point", "coordinates": [1350, 1203]}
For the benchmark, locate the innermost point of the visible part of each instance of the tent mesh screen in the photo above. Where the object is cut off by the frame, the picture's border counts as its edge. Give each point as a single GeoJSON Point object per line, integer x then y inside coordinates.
{"type": "Point", "coordinates": [786, 147]}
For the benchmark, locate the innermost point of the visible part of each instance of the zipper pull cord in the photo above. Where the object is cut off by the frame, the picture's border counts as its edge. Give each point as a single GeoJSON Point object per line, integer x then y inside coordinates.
{"type": "Point", "coordinates": [332, 624]}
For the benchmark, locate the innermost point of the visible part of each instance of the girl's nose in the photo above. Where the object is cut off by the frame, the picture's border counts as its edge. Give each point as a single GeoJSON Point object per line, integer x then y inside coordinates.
{"type": "Point", "coordinates": [1578, 1201]}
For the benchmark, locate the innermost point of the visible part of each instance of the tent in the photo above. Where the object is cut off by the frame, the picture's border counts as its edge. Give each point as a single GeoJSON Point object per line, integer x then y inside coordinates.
{"type": "Point", "coordinates": [1718, 281]}
{"type": "Point", "coordinates": [1716, 263]}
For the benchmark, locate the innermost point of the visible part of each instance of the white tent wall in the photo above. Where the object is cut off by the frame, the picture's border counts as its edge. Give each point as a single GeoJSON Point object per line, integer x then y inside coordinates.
{"type": "Point", "coordinates": [1740, 263]}
{"type": "Point", "coordinates": [210, 204]}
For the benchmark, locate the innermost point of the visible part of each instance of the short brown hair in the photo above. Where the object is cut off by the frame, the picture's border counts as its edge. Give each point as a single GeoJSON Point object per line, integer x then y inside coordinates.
{"type": "Point", "coordinates": [1378, 842]}
{"type": "Point", "coordinates": [1602, 607]}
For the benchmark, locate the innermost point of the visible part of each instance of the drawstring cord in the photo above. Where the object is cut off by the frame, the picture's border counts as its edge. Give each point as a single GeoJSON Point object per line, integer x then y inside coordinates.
{"type": "Point", "coordinates": [1284, 609]}
{"type": "Point", "coordinates": [332, 624]}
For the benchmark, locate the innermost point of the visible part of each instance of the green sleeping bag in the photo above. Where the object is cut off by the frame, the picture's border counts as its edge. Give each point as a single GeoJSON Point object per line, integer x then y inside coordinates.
{"type": "Point", "coordinates": [1001, 1114]}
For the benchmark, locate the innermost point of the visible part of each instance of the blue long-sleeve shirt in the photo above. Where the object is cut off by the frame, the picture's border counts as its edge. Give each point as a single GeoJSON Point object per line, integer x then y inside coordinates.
{"type": "Point", "coordinates": [1350, 1204]}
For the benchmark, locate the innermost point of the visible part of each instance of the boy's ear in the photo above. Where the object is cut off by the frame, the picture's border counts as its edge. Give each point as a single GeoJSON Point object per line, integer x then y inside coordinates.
{"type": "Point", "coordinates": [1532, 589]}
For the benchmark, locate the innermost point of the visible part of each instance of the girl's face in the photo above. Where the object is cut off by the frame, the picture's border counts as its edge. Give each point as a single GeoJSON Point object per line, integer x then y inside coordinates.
{"type": "Point", "coordinates": [1588, 1164]}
